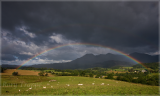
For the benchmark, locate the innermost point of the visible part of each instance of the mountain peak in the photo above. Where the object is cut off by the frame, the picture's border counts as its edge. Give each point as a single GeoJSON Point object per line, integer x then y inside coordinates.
{"type": "Point", "coordinates": [136, 53]}
{"type": "Point", "coordinates": [109, 54]}
{"type": "Point", "coordinates": [89, 54]}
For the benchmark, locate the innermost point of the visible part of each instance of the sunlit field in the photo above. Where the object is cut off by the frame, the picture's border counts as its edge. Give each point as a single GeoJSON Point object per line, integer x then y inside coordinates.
{"type": "Point", "coordinates": [68, 85]}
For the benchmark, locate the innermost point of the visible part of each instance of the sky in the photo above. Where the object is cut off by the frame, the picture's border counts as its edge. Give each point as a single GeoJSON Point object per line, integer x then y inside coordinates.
{"type": "Point", "coordinates": [29, 28]}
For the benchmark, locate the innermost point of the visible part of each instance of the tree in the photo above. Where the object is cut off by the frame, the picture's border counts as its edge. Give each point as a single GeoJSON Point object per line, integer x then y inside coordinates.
{"type": "Point", "coordinates": [2, 69]}
{"type": "Point", "coordinates": [41, 73]}
{"type": "Point", "coordinates": [90, 75]}
{"type": "Point", "coordinates": [46, 74]}
{"type": "Point", "coordinates": [109, 76]}
{"type": "Point", "coordinates": [15, 73]}
{"type": "Point", "coordinates": [82, 73]}
{"type": "Point", "coordinates": [98, 76]}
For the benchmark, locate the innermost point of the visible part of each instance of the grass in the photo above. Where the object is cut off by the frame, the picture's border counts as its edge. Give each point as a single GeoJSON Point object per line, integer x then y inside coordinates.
{"type": "Point", "coordinates": [20, 72]}
{"type": "Point", "coordinates": [10, 85]}
{"type": "Point", "coordinates": [127, 67]}
{"type": "Point", "coordinates": [60, 87]}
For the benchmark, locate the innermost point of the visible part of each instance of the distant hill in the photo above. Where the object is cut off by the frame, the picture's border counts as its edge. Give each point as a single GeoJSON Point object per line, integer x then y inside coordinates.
{"type": "Point", "coordinates": [104, 60]}
{"type": "Point", "coordinates": [144, 58]}
{"type": "Point", "coordinates": [148, 65]}
{"type": "Point", "coordinates": [106, 64]}
{"type": "Point", "coordinates": [90, 61]}
{"type": "Point", "coordinates": [9, 66]}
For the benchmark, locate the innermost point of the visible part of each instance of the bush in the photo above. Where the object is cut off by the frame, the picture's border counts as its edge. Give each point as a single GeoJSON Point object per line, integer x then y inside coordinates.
{"type": "Point", "coordinates": [90, 75]}
{"type": "Point", "coordinates": [125, 79]}
{"type": "Point", "coordinates": [46, 74]}
{"type": "Point", "coordinates": [2, 69]}
{"type": "Point", "coordinates": [98, 75]}
{"type": "Point", "coordinates": [41, 73]}
{"type": "Point", "coordinates": [142, 80]}
{"type": "Point", "coordinates": [52, 72]}
{"type": "Point", "coordinates": [119, 78]}
{"type": "Point", "coordinates": [151, 83]}
{"type": "Point", "coordinates": [135, 81]}
{"type": "Point", "coordinates": [15, 73]}
{"type": "Point", "coordinates": [109, 76]}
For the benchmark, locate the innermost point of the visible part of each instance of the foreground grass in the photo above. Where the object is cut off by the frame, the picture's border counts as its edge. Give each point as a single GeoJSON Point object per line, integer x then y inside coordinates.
{"type": "Point", "coordinates": [60, 86]}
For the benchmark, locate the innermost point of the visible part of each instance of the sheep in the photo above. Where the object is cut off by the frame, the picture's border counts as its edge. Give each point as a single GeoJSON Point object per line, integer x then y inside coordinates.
{"type": "Point", "coordinates": [92, 83]}
{"type": "Point", "coordinates": [44, 86]}
{"type": "Point", "coordinates": [19, 90]}
{"type": "Point", "coordinates": [51, 86]}
{"type": "Point", "coordinates": [102, 84]}
{"type": "Point", "coordinates": [67, 84]}
{"type": "Point", "coordinates": [30, 88]}
{"type": "Point", "coordinates": [52, 80]}
{"type": "Point", "coordinates": [80, 84]}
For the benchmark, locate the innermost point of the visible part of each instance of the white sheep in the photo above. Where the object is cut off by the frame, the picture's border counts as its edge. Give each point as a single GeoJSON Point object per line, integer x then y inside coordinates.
{"type": "Point", "coordinates": [80, 84]}
{"type": "Point", "coordinates": [67, 84]}
{"type": "Point", "coordinates": [19, 90]}
{"type": "Point", "coordinates": [30, 88]}
{"type": "Point", "coordinates": [51, 86]}
{"type": "Point", "coordinates": [92, 83]}
{"type": "Point", "coordinates": [102, 84]}
{"type": "Point", "coordinates": [44, 86]}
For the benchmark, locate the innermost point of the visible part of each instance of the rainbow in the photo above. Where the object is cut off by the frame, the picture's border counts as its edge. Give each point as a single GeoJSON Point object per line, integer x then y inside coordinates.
{"type": "Point", "coordinates": [91, 44]}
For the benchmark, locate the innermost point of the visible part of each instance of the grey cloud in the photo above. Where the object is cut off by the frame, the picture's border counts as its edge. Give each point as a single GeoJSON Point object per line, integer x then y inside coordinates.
{"type": "Point", "coordinates": [128, 26]}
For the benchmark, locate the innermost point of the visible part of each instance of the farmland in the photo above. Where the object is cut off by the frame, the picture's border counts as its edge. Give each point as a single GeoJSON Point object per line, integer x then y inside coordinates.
{"type": "Point", "coordinates": [68, 85]}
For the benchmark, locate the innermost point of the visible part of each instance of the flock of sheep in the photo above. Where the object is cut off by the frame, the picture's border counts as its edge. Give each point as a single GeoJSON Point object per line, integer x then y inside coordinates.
{"type": "Point", "coordinates": [66, 84]}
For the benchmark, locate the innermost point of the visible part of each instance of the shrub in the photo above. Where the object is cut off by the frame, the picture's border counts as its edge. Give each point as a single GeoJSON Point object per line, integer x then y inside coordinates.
{"type": "Point", "coordinates": [2, 69]}
{"type": "Point", "coordinates": [151, 83]}
{"type": "Point", "coordinates": [15, 73]}
{"type": "Point", "coordinates": [142, 80]}
{"type": "Point", "coordinates": [41, 73]}
{"type": "Point", "coordinates": [52, 72]}
{"type": "Point", "coordinates": [90, 75]}
{"type": "Point", "coordinates": [109, 76]}
{"type": "Point", "coordinates": [46, 74]}
{"type": "Point", "coordinates": [119, 78]}
{"type": "Point", "coordinates": [135, 81]}
{"type": "Point", "coordinates": [125, 79]}
{"type": "Point", "coordinates": [98, 75]}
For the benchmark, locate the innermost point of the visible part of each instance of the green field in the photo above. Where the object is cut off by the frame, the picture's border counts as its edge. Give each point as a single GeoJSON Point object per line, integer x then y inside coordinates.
{"type": "Point", "coordinates": [10, 85]}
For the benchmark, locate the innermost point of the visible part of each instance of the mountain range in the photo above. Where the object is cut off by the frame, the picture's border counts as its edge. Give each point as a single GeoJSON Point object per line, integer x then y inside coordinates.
{"type": "Point", "coordinates": [103, 60]}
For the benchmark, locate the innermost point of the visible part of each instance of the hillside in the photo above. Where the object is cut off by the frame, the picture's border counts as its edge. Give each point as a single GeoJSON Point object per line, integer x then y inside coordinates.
{"type": "Point", "coordinates": [103, 60]}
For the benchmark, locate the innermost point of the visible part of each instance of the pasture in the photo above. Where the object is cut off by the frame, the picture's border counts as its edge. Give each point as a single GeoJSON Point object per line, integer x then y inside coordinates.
{"type": "Point", "coordinates": [68, 85]}
{"type": "Point", "coordinates": [22, 72]}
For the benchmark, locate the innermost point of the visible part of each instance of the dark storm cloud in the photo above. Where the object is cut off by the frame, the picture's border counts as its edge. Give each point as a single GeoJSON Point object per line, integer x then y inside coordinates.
{"type": "Point", "coordinates": [120, 25]}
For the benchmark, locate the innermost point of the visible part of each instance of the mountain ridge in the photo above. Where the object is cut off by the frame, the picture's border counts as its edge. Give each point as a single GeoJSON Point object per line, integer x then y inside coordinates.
{"type": "Point", "coordinates": [102, 60]}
